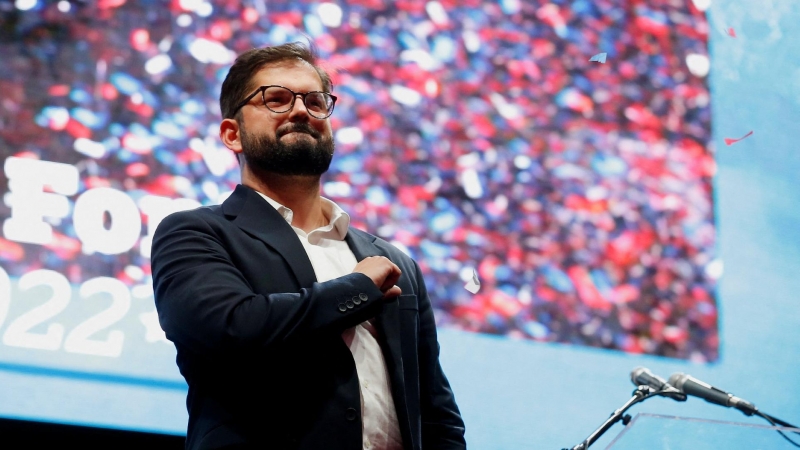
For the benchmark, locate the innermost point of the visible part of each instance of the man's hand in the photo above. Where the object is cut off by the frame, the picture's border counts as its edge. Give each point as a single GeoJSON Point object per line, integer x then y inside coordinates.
{"type": "Point", "coordinates": [383, 273]}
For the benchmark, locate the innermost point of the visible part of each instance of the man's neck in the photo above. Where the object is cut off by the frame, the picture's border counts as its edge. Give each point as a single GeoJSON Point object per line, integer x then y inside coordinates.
{"type": "Point", "coordinates": [297, 192]}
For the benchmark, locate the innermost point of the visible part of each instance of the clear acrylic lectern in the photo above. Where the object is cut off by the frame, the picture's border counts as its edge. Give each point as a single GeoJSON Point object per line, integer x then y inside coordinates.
{"type": "Point", "coordinates": [652, 431]}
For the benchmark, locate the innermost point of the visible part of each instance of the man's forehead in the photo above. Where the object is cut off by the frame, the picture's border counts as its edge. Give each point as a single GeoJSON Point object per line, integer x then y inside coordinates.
{"type": "Point", "coordinates": [288, 69]}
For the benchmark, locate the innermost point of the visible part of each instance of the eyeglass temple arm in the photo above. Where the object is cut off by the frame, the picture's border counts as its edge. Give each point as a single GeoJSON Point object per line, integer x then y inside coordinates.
{"type": "Point", "coordinates": [247, 100]}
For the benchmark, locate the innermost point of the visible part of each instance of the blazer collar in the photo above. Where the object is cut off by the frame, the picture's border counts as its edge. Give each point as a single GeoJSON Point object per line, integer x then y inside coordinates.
{"type": "Point", "coordinates": [362, 244]}
{"type": "Point", "coordinates": [250, 212]}
{"type": "Point", "coordinates": [258, 218]}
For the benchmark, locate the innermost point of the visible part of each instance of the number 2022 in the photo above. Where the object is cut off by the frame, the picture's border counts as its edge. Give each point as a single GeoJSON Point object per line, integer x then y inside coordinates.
{"type": "Point", "coordinates": [78, 340]}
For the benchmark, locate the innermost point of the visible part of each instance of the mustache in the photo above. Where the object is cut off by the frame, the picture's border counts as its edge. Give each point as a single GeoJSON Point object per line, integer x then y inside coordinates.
{"type": "Point", "coordinates": [299, 127]}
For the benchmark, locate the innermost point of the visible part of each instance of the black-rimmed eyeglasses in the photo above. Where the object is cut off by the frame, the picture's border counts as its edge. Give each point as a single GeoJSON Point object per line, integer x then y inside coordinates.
{"type": "Point", "coordinates": [279, 99]}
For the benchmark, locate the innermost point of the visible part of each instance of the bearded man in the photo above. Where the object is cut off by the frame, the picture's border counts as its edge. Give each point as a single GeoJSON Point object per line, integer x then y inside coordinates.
{"type": "Point", "coordinates": [294, 330]}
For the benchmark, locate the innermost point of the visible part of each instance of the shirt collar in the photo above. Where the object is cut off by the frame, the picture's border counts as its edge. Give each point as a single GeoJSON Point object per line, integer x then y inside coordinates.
{"type": "Point", "coordinates": [336, 229]}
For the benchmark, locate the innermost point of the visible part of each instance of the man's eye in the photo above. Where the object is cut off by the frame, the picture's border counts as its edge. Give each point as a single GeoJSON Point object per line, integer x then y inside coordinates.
{"type": "Point", "coordinates": [313, 101]}
{"type": "Point", "coordinates": [277, 99]}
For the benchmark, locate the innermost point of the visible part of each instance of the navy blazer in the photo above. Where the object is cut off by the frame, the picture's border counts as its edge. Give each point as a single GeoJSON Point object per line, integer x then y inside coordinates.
{"type": "Point", "coordinates": [259, 339]}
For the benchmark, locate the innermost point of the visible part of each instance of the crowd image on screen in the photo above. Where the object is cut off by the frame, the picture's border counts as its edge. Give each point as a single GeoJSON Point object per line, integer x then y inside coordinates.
{"type": "Point", "coordinates": [472, 134]}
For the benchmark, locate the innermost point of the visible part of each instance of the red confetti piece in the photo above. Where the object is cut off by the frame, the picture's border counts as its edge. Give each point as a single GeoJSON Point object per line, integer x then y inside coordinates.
{"type": "Point", "coordinates": [125, 278]}
{"type": "Point", "coordinates": [142, 109]}
{"type": "Point", "coordinates": [77, 129]}
{"type": "Point", "coordinates": [108, 91]}
{"type": "Point", "coordinates": [58, 90]}
{"type": "Point", "coordinates": [587, 291]}
{"type": "Point", "coordinates": [140, 39]}
{"type": "Point", "coordinates": [188, 156]}
{"type": "Point", "coordinates": [326, 42]}
{"type": "Point", "coordinates": [518, 69]}
{"type": "Point", "coordinates": [108, 4]}
{"type": "Point", "coordinates": [551, 15]}
{"type": "Point", "coordinates": [96, 182]}
{"type": "Point", "coordinates": [250, 15]}
{"type": "Point", "coordinates": [729, 141]}
{"type": "Point", "coordinates": [11, 251]}
{"type": "Point", "coordinates": [675, 335]}
{"type": "Point", "coordinates": [503, 304]}
{"type": "Point", "coordinates": [137, 170]}
{"type": "Point", "coordinates": [291, 18]}
{"type": "Point", "coordinates": [27, 154]}
{"type": "Point", "coordinates": [625, 293]}
{"type": "Point", "coordinates": [220, 31]}
{"type": "Point", "coordinates": [731, 32]}
{"type": "Point", "coordinates": [163, 185]}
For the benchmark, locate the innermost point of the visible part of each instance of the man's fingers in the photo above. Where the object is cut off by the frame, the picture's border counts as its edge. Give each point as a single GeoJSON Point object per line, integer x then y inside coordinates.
{"type": "Point", "coordinates": [383, 272]}
{"type": "Point", "coordinates": [391, 279]}
{"type": "Point", "coordinates": [393, 291]}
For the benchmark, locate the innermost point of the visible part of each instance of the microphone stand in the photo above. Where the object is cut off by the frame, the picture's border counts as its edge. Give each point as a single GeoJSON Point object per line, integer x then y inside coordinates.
{"type": "Point", "coordinates": [777, 421]}
{"type": "Point", "coordinates": [641, 393]}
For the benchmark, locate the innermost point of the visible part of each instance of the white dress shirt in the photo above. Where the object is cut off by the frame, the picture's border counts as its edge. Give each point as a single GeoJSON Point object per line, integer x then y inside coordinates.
{"type": "Point", "coordinates": [331, 258]}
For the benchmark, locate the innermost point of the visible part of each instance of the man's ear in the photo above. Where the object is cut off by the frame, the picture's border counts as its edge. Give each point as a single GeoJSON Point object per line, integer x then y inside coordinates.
{"type": "Point", "coordinates": [230, 134]}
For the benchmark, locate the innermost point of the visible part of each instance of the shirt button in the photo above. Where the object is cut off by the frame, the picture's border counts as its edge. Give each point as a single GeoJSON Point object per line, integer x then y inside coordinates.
{"type": "Point", "coordinates": [350, 414]}
{"type": "Point", "coordinates": [349, 304]}
{"type": "Point", "coordinates": [367, 444]}
{"type": "Point", "coordinates": [356, 300]}
{"type": "Point", "coordinates": [366, 384]}
{"type": "Point", "coordinates": [342, 307]}
{"type": "Point", "coordinates": [363, 297]}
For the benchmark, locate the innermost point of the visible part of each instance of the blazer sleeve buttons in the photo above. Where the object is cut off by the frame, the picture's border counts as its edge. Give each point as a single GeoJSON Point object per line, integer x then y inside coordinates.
{"type": "Point", "coordinates": [356, 300]}
{"type": "Point", "coordinates": [364, 297]}
{"type": "Point", "coordinates": [342, 307]}
{"type": "Point", "coordinates": [349, 304]}
{"type": "Point", "coordinates": [350, 414]}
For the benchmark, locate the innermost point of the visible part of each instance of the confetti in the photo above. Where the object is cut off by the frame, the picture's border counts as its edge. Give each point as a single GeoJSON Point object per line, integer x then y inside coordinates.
{"type": "Point", "coordinates": [137, 127]}
{"type": "Point", "coordinates": [731, 32]}
{"type": "Point", "coordinates": [600, 57]}
{"type": "Point", "coordinates": [474, 284]}
{"type": "Point", "coordinates": [729, 141]}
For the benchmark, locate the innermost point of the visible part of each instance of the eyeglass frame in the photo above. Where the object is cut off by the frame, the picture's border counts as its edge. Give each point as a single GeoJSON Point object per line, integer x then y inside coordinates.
{"type": "Point", "coordinates": [302, 95]}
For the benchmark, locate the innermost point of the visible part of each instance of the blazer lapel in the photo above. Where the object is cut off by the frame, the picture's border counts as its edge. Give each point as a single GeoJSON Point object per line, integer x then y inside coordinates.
{"type": "Point", "coordinates": [257, 217]}
{"type": "Point", "coordinates": [388, 320]}
{"type": "Point", "coordinates": [388, 325]}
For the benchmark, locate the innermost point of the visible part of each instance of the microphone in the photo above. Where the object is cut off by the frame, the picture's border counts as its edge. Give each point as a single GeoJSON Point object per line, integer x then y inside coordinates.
{"type": "Point", "coordinates": [642, 376]}
{"type": "Point", "coordinates": [696, 388]}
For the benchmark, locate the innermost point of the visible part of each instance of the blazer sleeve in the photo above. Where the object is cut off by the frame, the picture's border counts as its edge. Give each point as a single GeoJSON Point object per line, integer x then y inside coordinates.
{"type": "Point", "coordinates": [205, 303]}
{"type": "Point", "coordinates": [442, 426]}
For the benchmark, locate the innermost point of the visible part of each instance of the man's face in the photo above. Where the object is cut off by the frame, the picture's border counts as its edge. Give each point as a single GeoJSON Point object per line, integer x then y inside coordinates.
{"type": "Point", "coordinates": [289, 143]}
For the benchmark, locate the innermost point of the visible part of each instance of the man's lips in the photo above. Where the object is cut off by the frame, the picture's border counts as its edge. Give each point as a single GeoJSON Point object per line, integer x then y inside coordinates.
{"type": "Point", "coordinates": [296, 132]}
{"type": "Point", "coordinates": [300, 129]}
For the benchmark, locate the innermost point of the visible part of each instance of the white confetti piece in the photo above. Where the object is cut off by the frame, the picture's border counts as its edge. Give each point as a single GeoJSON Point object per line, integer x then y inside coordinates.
{"type": "Point", "coordinates": [600, 57]}
{"type": "Point", "coordinates": [474, 284]}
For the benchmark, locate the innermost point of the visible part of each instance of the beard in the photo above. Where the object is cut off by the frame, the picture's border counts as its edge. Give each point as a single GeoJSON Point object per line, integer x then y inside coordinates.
{"type": "Point", "coordinates": [300, 157]}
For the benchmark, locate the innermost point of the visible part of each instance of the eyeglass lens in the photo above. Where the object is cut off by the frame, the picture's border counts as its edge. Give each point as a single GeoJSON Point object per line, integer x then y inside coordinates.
{"type": "Point", "coordinates": [279, 99]}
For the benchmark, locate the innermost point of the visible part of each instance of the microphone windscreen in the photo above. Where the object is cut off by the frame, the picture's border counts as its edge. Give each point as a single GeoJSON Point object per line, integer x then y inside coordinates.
{"type": "Point", "coordinates": [676, 380]}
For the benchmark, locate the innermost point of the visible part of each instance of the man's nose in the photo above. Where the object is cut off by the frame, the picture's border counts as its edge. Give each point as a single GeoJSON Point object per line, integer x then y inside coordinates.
{"type": "Point", "coordinates": [299, 106]}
